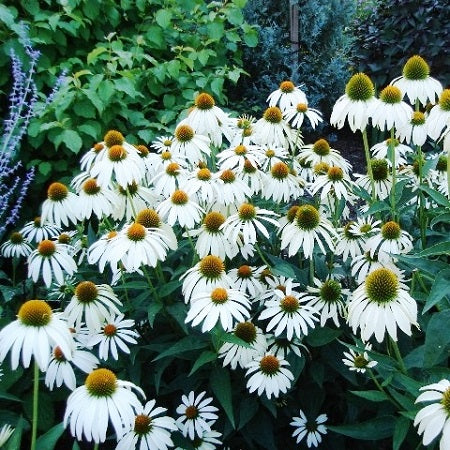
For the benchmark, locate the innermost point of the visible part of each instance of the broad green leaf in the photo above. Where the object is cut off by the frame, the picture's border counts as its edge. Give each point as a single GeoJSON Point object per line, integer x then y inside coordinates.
{"type": "Point", "coordinates": [8, 396]}
{"type": "Point", "coordinates": [163, 17]}
{"type": "Point", "coordinates": [371, 430]}
{"type": "Point", "coordinates": [439, 198]}
{"type": "Point", "coordinates": [322, 335]}
{"type": "Point", "coordinates": [216, 30]}
{"type": "Point", "coordinates": [186, 344]}
{"type": "Point", "coordinates": [168, 288]}
{"type": "Point", "coordinates": [221, 386]}
{"type": "Point", "coordinates": [45, 167]}
{"type": "Point", "coordinates": [48, 440]}
{"type": "Point", "coordinates": [405, 400]}
{"type": "Point", "coordinates": [92, 129]}
{"type": "Point", "coordinates": [126, 85]}
{"type": "Point", "coordinates": [442, 248]}
{"type": "Point", "coordinates": [251, 37]}
{"type": "Point", "coordinates": [281, 267]}
{"type": "Point", "coordinates": [378, 207]}
{"type": "Point", "coordinates": [445, 217]}
{"type": "Point", "coordinates": [247, 410]}
{"type": "Point", "coordinates": [440, 288]}
{"type": "Point", "coordinates": [72, 140]}
{"type": "Point", "coordinates": [173, 68]}
{"type": "Point", "coordinates": [240, 3]}
{"type": "Point", "coordinates": [400, 432]}
{"type": "Point", "coordinates": [152, 310]}
{"type": "Point", "coordinates": [437, 338]}
{"type": "Point", "coordinates": [373, 396]}
{"type": "Point", "coordinates": [94, 54]}
{"type": "Point", "coordinates": [235, 16]}
{"type": "Point", "coordinates": [178, 311]}
{"type": "Point", "coordinates": [7, 16]}
{"type": "Point", "coordinates": [204, 358]}
{"type": "Point", "coordinates": [15, 440]}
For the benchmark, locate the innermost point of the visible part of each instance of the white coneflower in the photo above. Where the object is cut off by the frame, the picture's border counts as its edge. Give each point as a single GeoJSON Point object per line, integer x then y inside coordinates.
{"type": "Point", "coordinates": [179, 208]}
{"type": "Point", "coordinates": [116, 334]}
{"type": "Point", "coordinates": [15, 246]}
{"type": "Point", "coordinates": [308, 230]}
{"type": "Point", "coordinates": [321, 152]}
{"type": "Point", "coordinates": [335, 182]}
{"type": "Point", "coordinates": [381, 181]}
{"type": "Point", "coordinates": [51, 260]}
{"type": "Point", "coordinates": [235, 157]}
{"type": "Point", "coordinates": [416, 82]}
{"type": "Point", "coordinates": [390, 111]}
{"type": "Point", "coordinates": [274, 283]}
{"type": "Point", "coordinates": [273, 155]}
{"type": "Point", "coordinates": [349, 244]}
{"type": "Point", "coordinates": [281, 185]}
{"type": "Point", "coordinates": [273, 130]}
{"type": "Point", "coordinates": [434, 418]}
{"type": "Point", "coordinates": [36, 231]}
{"type": "Point", "coordinates": [248, 222]}
{"type": "Point", "coordinates": [366, 263]}
{"type": "Point", "coordinates": [296, 114]}
{"type": "Point", "coordinates": [312, 429]}
{"type": "Point", "coordinates": [270, 375]}
{"type": "Point", "coordinates": [415, 131]}
{"type": "Point", "coordinates": [220, 303]}
{"type": "Point", "coordinates": [206, 441]}
{"type": "Point", "coordinates": [169, 179]}
{"type": "Point", "coordinates": [196, 414]}
{"type": "Point", "coordinates": [99, 251]}
{"type": "Point", "coordinates": [34, 333]}
{"type": "Point", "coordinates": [190, 145]}
{"type": "Point", "coordinates": [247, 279]}
{"type": "Point", "coordinates": [230, 188]}
{"type": "Point", "coordinates": [439, 116]}
{"type": "Point", "coordinates": [101, 399]}
{"type": "Point", "coordinates": [93, 198]}
{"type": "Point", "coordinates": [438, 175]}
{"type": "Point", "coordinates": [151, 430]}
{"type": "Point", "coordinates": [252, 177]}
{"type": "Point", "coordinates": [282, 347]}
{"type": "Point", "coordinates": [95, 153]}
{"type": "Point", "coordinates": [201, 185]}
{"type": "Point", "coordinates": [162, 143]}
{"type": "Point", "coordinates": [209, 120]}
{"type": "Point", "coordinates": [380, 305]}
{"type": "Point", "coordinates": [60, 206]}
{"type": "Point", "coordinates": [91, 304]}
{"type": "Point", "coordinates": [150, 219]}
{"type": "Point", "coordinates": [286, 96]}
{"type": "Point", "coordinates": [238, 355]}
{"type": "Point", "coordinates": [354, 104]}
{"type": "Point", "coordinates": [380, 151]}
{"type": "Point", "coordinates": [359, 361]}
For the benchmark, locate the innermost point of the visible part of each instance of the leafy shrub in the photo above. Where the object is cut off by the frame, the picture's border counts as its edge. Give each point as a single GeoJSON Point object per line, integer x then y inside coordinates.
{"type": "Point", "coordinates": [397, 29]}
{"type": "Point", "coordinates": [133, 66]}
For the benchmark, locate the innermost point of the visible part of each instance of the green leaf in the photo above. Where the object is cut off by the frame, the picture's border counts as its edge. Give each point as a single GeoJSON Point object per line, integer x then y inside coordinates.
{"type": "Point", "coordinates": [321, 336]}
{"type": "Point", "coordinates": [372, 396]}
{"type": "Point", "coordinates": [400, 432]}
{"type": "Point", "coordinates": [48, 440]}
{"type": "Point", "coordinates": [216, 30]}
{"type": "Point", "coordinates": [281, 267]}
{"type": "Point", "coordinates": [163, 17]}
{"type": "Point", "coordinates": [442, 248]}
{"type": "Point", "coordinates": [445, 217]}
{"type": "Point", "coordinates": [152, 310]}
{"type": "Point", "coordinates": [235, 16]}
{"type": "Point", "coordinates": [439, 198]}
{"type": "Point", "coordinates": [15, 440]}
{"type": "Point", "coordinates": [221, 386]}
{"type": "Point", "coordinates": [45, 168]}
{"type": "Point", "coordinates": [240, 3]}
{"type": "Point", "coordinates": [92, 129]}
{"type": "Point", "coordinates": [378, 207]}
{"type": "Point", "coordinates": [72, 140]}
{"type": "Point", "coordinates": [94, 54]}
{"type": "Point", "coordinates": [173, 68]}
{"type": "Point", "coordinates": [6, 15]}
{"type": "Point", "coordinates": [126, 85]}
{"type": "Point", "coordinates": [371, 430]}
{"type": "Point", "coordinates": [251, 38]}
{"type": "Point", "coordinates": [168, 288]}
{"type": "Point", "coordinates": [204, 358]}
{"type": "Point", "coordinates": [437, 340]}
{"type": "Point", "coordinates": [178, 312]}
{"type": "Point", "coordinates": [186, 344]}
{"type": "Point", "coordinates": [247, 410]}
{"type": "Point", "coordinates": [439, 289]}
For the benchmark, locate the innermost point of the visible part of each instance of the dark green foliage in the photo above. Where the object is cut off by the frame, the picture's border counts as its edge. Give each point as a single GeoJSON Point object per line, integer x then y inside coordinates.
{"type": "Point", "coordinates": [395, 30]}
{"type": "Point", "coordinates": [133, 66]}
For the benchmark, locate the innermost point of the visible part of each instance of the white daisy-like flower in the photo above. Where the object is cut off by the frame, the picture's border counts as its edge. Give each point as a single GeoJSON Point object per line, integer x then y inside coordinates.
{"type": "Point", "coordinates": [390, 240]}
{"type": "Point", "coordinates": [282, 347]}
{"type": "Point", "coordinates": [248, 222]}
{"type": "Point", "coordinates": [60, 206]}
{"type": "Point", "coordinates": [335, 182]}
{"type": "Point", "coordinates": [207, 274]}
{"type": "Point", "coordinates": [151, 430]}
{"type": "Point", "coordinates": [415, 131]}
{"type": "Point", "coordinates": [272, 284]}
{"type": "Point", "coordinates": [162, 143]}
{"type": "Point", "coordinates": [381, 304]}
{"type": "Point", "coordinates": [287, 96]}
{"type": "Point", "coordinates": [209, 120]}
{"type": "Point", "coordinates": [207, 441]}
{"type": "Point", "coordinates": [416, 82]}
{"type": "Point", "coordinates": [281, 185]}
{"type": "Point", "coordinates": [36, 231]}
{"type": "Point", "coordinates": [390, 111]}
{"type": "Point", "coordinates": [327, 298]}
{"type": "Point", "coordinates": [99, 251]}
{"type": "Point", "coordinates": [169, 179]}
{"type": "Point", "coordinates": [60, 370]}
{"type": "Point", "coordinates": [51, 260]}
{"type": "Point", "coordinates": [189, 144]}
{"type": "Point", "coordinates": [96, 152]}
{"type": "Point", "coordinates": [179, 208]}
{"type": "Point", "coordinates": [230, 188]}
{"type": "Point", "coordinates": [203, 186]}
{"type": "Point", "coordinates": [273, 130]}
{"type": "Point", "coordinates": [196, 414]}
{"type": "Point", "coordinates": [270, 375]}
{"type": "Point", "coordinates": [434, 418]}
{"type": "Point", "coordinates": [296, 115]}
{"type": "Point", "coordinates": [349, 244]}
{"type": "Point", "coordinates": [312, 429]}
{"type": "Point", "coordinates": [289, 312]}
{"type": "Point", "coordinates": [438, 175]}
{"type": "Point", "coordinates": [121, 163]}
{"type": "Point", "coordinates": [247, 279]}
{"type": "Point", "coordinates": [402, 151]}
{"type": "Point", "coordinates": [157, 162]}
{"type": "Point", "coordinates": [439, 116]}
{"type": "Point", "coordinates": [116, 333]}
{"type": "Point", "coordinates": [211, 239]}
{"type": "Point", "coordinates": [321, 152]}
{"type": "Point", "coordinates": [381, 181]}
{"type": "Point", "coordinates": [34, 333]}
{"type": "Point", "coordinates": [235, 157]}
{"type": "Point", "coordinates": [5, 433]}
{"type": "Point", "coordinates": [308, 230]}
{"type": "Point", "coordinates": [238, 355]}
{"type": "Point", "coordinates": [354, 104]}
{"type": "Point", "coordinates": [364, 264]}
{"type": "Point", "coordinates": [16, 246]}
{"type": "Point", "coordinates": [91, 304]}
{"type": "Point", "coordinates": [220, 303]}
{"type": "Point", "coordinates": [273, 155]}
{"type": "Point", "coordinates": [150, 219]}
{"type": "Point", "coordinates": [359, 361]}
{"type": "Point", "coordinates": [252, 177]}
{"type": "Point", "coordinates": [101, 399]}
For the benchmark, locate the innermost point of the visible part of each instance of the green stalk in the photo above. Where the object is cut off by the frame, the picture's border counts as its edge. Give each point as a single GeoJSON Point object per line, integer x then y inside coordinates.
{"type": "Point", "coordinates": [34, 421]}
{"type": "Point", "coordinates": [260, 253]}
{"type": "Point", "coordinates": [381, 389]}
{"type": "Point", "coordinates": [422, 217]}
{"type": "Point", "coordinates": [394, 175]}
{"type": "Point", "coordinates": [369, 166]}
{"type": "Point", "coordinates": [398, 356]}
{"type": "Point", "coordinates": [311, 270]}
{"type": "Point", "coordinates": [150, 284]}
{"type": "Point", "coordinates": [96, 446]}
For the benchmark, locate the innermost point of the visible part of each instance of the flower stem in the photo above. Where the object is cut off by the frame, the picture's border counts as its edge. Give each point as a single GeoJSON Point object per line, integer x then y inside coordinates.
{"type": "Point", "coordinates": [394, 174]}
{"type": "Point", "coordinates": [261, 255]}
{"type": "Point", "coordinates": [311, 270]}
{"type": "Point", "coordinates": [398, 356]}
{"type": "Point", "coordinates": [34, 421]}
{"type": "Point", "coordinates": [149, 281]}
{"type": "Point", "coordinates": [369, 165]}
{"type": "Point", "coordinates": [96, 446]}
{"type": "Point", "coordinates": [381, 389]}
{"type": "Point", "coordinates": [422, 217]}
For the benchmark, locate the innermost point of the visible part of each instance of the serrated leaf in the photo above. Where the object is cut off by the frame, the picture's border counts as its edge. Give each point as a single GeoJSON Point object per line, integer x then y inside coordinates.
{"type": "Point", "coordinates": [373, 396]}
{"type": "Point", "coordinates": [251, 38]}
{"type": "Point", "coordinates": [378, 207]}
{"type": "Point", "coordinates": [186, 344]}
{"type": "Point", "coordinates": [442, 248]}
{"type": "Point", "coordinates": [204, 358]}
{"type": "Point", "coordinates": [45, 168]}
{"type": "Point", "coordinates": [216, 30]}
{"type": "Point", "coordinates": [221, 386]}
{"type": "Point", "coordinates": [163, 17]}
{"type": "Point", "coordinates": [371, 430]}
{"type": "Point", "coordinates": [72, 140]}
{"type": "Point", "coordinates": [439, 198]}
{"type": "Point", "coordinates": [125, 85]}
{"type": "Point", "coordinates": [94, 54]}
{"type": "Point", "coordinates": [48, 440]}
{"type": "Point", "coordinates": [439, 289]}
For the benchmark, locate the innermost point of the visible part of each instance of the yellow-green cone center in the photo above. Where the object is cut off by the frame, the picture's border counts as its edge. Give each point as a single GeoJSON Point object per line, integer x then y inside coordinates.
{"type": "Point", "coordinates": [173, 169]}
{"type": "Point", "coordinates": [57, 192]}
{"type": "Point", "coordinates": [148, 218]}
{"type": "Point", "coordinates": [307, 217]}
{"type": "Point", "coordinates": [113, 137]}
{"type": "Point", "coordinates": [35, 313]}
{"type": "Point", "coordinates": [86, 292]}
{"type": "Point", "coordinates": [90, 187]}
{"type": "Point", "coordinates": [382, 285]}
{"type": "Point", "coordinates": [269, 365]}
{"type": "Point", "coordinates": [247, 212]}
{"type": "Point", "coordinates": [360, 362]}
{"type": "Point", "coordinates": [246, 331]}
{"type": "Point", "coordinates": [211, 267]}
{"type": "Point", "coordinates": [330, 292]}
{"type": "Point", "coordinates": [391, 230]}
{"type": "Point", "coordinates": [289, 304]}
{"type": "Point", "coordinates": [136, 232]}
{"type": "Point", "coordinates": [445, 402]}
{"type": "Point", "coordinates": [240, 150]}
{"type": "Point", "coordinates": [321, 147]}
{"type": "Point", "coordinates": [416, 68]}
{"type": "Point", "coordinates": [360, 88]}
{"type": "Point", "coordinates": [204, 174]}
{"type": "Point", "coordinates": [391, 95]}
{"type": "Point", "coordinates": [204, 101]}
{"type": "Point", "coordinates": [184, 133]}
{"type": "Point", "coordinates": [287, 87]}
{"type": "Point", "coordinates": [273, 114]}
{"type": "Point", "coordinates": [219, 296]}
{"type": "Point", "coordinates": [444, 100]}
{"type": "Point", "coordinates": [292, 212]}
{"type": "Point", "coordinates": [16, 238]}
{"type": "Point", "coordinates": [101, 383]}
{"type": "Point", "coordinates": [379, 169]}
{"type": "Point", "coordinates": [335, 173]}
{"type": "Point", "coordinates": [179, 198]}
{"type": "Point", "coordinates": [441, 165]}
{"type": "Point", "coordinates": [279, 170]}
{"type": "Point", "coordinates": [46, 248]}
{"type": "Point", "coordinates": [213, 221]}
{"type": "Point", "coordinates": [418, 118]}
{"type": "Point", "coordinates": [228, 176]}
{"type": "Point", "coordinates": [117, 153]}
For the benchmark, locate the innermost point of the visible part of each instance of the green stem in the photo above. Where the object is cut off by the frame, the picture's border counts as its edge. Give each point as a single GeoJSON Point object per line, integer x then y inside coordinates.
{"type": "Point", "coordinates": [125, 290]}
{"type": "Point", "coordinates": [35, 406]}
{"type": "Point", "coordinates": [311, 271]}
{"type": "Point", "coordinates": [149, 281]}
{"type": "Point", "coordinates": [369, 165]}
{"type": "Point", "coordinates": [398, 356]}
{"type": "Point", "coordinates": [381, 389]}
{"type": "Point", "coordinates": [130, 199]}
{"type": "Point", "coordinates": [394, 174]}
{"type": "Point", "coordinates": [96, 446]}
{"type": "Point", "coordinates": [194, 251]}
{"type": "Point", "coordinates": [422, 217]}
{"type": "Point", "coordinates": [260, 253]}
